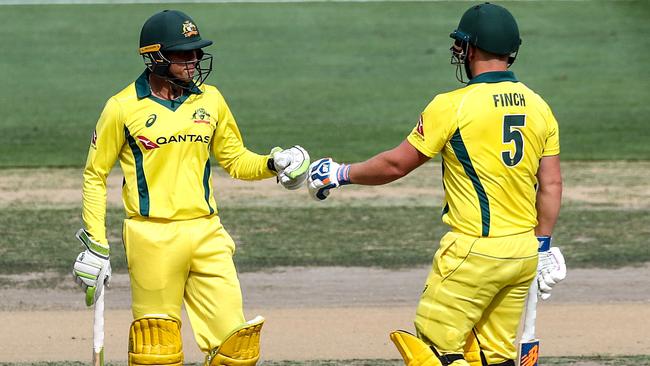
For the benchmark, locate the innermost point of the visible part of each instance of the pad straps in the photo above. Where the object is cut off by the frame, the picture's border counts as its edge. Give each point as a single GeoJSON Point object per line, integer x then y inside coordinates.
{"type": "Point", "coordinates": [447, 359]}
{"type": "Point", "coordinates": [484, 360]}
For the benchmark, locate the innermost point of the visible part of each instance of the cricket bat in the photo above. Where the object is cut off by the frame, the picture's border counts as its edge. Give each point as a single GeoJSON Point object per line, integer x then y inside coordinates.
{"type": "Point", "coordinates": [528, 354]}
{"type": "Point", "coordinates": [98, 332]}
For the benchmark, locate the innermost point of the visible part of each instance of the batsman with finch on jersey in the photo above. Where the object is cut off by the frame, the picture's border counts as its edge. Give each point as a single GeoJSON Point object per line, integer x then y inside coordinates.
{"type": "Point", "coordinates": [163, 128]}
{"type": "Point", "coordinates": [499, 143]}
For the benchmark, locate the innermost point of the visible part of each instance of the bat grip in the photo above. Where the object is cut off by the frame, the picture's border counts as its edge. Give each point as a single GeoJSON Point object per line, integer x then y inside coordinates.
{"type": "Point", "coordinates": [98, 331]}
{"type": "Point", "coordinates": [530, 314]}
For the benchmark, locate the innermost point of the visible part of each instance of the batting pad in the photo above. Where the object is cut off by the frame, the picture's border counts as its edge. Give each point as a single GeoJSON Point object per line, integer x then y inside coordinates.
{"type": "Point", "coordinates": [413, 350]}
{"type": "Point", "coordinates": [240, 348]}
{"type": "Point", "coordinates": [155, 341]}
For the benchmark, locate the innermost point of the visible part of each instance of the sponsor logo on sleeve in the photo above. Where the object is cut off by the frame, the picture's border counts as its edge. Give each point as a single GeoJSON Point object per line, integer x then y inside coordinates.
{"type": "Point", "coordinates": [93, 139]}
{"type": "Point", "coordinates": [420, 127]}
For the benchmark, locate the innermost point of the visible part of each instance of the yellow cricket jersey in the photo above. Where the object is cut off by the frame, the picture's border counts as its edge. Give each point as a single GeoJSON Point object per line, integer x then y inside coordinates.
{"type": "Point", "coordinates": [492, 134]}
{"type": "Point", "coordinates": [164, 150]}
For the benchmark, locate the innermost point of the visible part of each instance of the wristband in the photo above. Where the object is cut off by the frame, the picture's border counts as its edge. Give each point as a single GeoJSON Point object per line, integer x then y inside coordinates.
{"type": "Point", "coordinates": [544, 243]}
{"type": "Point", "coordinates": [270, 164]}
{"type": "Point", "coordinates": [343, 175]}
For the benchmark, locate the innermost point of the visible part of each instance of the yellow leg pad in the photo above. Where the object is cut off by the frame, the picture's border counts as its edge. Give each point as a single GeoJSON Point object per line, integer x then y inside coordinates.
{"type": "Point", "coordinates": [472, 352]}
{"type": "Point", "coordinates": [413, 350]}
{"type": "Point", "coordinates": [240, 348]}
{"type": "Point", "coordinates": [155, 341]}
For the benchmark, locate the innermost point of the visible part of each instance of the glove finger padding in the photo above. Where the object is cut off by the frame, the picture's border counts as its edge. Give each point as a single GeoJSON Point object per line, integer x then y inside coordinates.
{"type": "Point", "coordinates": [92, 268]}
{"type": "Point", "coordinates": [319, 191]}
{"type": "Point", "coordinates": [107, 275]}
{"type": "Point", "coordinates": [292, 184]}
{"type": "Point", "coordinates": [543, 285]}
{"type": "Point", "coordinates": [551, 269]}
{"type": "Point", "coordinates": [324, 176]}
{"type": "Point", "coordinates": [281, 161]}
{"type": "Point", "coordinates": [299, 165]}
{"type": "Point", "coordinates": [291, 165]}
{"type": "Point", "coordinates": [559, 273]}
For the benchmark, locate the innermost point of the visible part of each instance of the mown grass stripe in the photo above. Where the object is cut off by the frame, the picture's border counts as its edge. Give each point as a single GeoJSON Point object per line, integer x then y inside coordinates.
{"type": "Point", "coordinates": [396, 237]}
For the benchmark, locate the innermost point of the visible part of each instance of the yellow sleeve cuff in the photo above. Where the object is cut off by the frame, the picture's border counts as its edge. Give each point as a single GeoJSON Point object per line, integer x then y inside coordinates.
{"type": "Point", "coordinates": [419, 144]}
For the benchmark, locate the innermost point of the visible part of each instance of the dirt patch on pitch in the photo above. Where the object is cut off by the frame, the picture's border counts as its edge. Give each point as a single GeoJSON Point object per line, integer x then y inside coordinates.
{"type": "Point", "coordinates": [330, 313]}
{"type": "Point", "coordinates": [619, 185]}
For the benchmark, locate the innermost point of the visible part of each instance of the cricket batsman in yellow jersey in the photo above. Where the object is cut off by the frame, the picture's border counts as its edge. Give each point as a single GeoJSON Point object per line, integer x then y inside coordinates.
{"type": "Point", "coordinates": [162, 129]}
{"type": "Point", "coordinates": [500, 152]}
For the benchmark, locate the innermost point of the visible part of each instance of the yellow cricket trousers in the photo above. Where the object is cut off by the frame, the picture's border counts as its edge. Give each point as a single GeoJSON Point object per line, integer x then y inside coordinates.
{"type": "Point", "coordinates": [477, 285]}
{"type": "Point", "coordinates": [191, 260]}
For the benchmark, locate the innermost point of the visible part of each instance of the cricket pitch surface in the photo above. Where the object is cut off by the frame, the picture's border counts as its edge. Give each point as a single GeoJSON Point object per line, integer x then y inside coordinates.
{"type": "Point", "coordinates": [334, 313]}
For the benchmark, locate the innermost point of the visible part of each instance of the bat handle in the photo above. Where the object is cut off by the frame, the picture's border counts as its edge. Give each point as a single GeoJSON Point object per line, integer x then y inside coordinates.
{"type": "Point", "coordinates": [528, 333]}
{"type": "Point", "coordinates": [98, 331]}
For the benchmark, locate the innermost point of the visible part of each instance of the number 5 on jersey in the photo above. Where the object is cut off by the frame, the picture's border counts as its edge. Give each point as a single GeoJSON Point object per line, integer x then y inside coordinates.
{"type": "Point", "coordinates": [512, 133]}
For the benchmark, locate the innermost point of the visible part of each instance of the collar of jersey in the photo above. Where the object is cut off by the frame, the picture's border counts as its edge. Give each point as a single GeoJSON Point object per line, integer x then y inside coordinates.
{"type": "Point", "coordinates": [494, 77]}
{"type": "Point", "coordinates": [143, 90]}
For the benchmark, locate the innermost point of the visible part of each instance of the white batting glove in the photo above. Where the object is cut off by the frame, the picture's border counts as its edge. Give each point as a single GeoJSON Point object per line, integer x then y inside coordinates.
{"type": "Point", "coordinates": [551, 268]}
{"type": "Point", "coordinates": [326, 174]}
{"type": "Point", "coordinates": [92, 269]}
{"type": "Point", "coordinates": [291, 166]}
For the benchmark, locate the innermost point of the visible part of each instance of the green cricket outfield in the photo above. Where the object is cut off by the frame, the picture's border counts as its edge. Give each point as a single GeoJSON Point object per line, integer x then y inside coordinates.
{"type": "Point", "coordinates": [303, 72]}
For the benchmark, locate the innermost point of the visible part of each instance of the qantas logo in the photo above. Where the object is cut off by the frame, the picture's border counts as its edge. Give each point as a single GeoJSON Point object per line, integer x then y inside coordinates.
{"type": "Point", "coordinates": [148, 144]}
{"type": "Point", "coordinates": [420, 127]}
{"type": "Point", "coordinates": [182, 138]}
{"type": "Point", "coordinates": [93, 140]}
{"type": "Point", "coordinates": [162, 140]}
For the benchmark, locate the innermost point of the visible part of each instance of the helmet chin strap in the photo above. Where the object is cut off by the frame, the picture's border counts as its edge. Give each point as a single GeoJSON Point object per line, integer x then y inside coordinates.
{"type": "Point", "coordinates": [185, 85]}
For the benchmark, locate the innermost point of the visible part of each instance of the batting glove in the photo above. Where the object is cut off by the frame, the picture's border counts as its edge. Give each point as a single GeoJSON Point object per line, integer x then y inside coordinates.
{"type": "Point", "coordinates": [551, 267]}
{"type": "Point", "coordinates": [326, 174]}
{"type": "Point", "coordinates": [291, 166]}
{"type": "Point", "coordinates": [92, 269]}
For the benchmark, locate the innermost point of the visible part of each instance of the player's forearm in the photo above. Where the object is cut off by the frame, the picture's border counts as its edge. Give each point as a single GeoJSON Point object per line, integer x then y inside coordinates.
{"type": "Point", "coordinates": [387, 166]}
{"type": "Point", "coordinates": [380, 169]}
{"type": "Point", "coordinates": [549, 199]}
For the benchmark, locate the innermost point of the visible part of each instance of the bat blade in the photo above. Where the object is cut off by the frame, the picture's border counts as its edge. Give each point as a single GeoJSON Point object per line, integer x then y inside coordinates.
{"type": "Point", "coordinates": [98, 332]}
{"type": "Point", "coordinates": [528, 354]}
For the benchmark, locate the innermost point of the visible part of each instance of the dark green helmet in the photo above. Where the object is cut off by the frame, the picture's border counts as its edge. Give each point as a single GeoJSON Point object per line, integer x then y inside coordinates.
{"type": "Point", "coordinates": [486, 26]}
{"type": "Point", "coordinates": [489, 27]}
{"type": "Point", "coordinates": [174, 31]}
{"type": "Point", "coordinates": [170, 30]}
